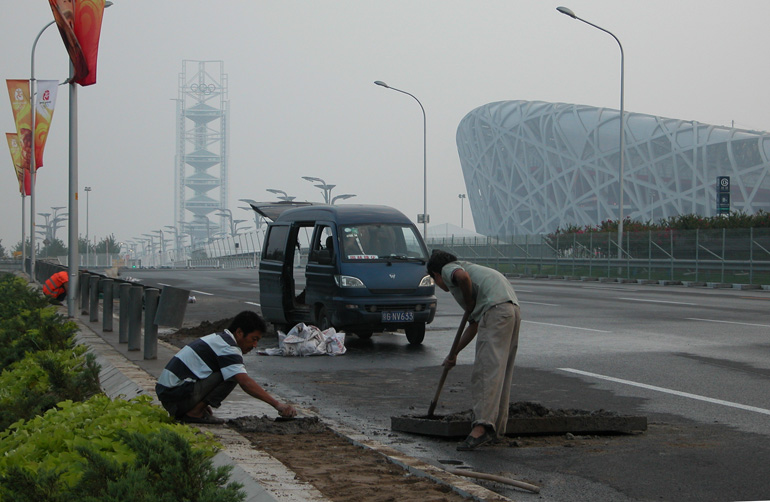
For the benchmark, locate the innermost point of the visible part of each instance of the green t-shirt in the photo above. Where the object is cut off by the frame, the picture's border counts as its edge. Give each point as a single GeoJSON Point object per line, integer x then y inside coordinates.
{"type": "Point", "coordinates": [490, 287]}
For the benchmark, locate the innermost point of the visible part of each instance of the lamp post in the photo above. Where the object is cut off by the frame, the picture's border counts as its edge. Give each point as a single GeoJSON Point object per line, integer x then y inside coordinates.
{"type": "Point", "coordinates": [283, 195]}
{"type": "Point", "coordinates": [32, 170]}
{"type": "Point", "coordinates": [176, 244]}
{"type": "Point", "coordinates": [462, 203]}
{"type": "Point", "coordinates": [342, 197]}
{"type": "Point", "coordinates": [568, 12]}
{"type": "Point", "coordinates": [424, 216]}
{"type": "Point", "coordinates": [88, 243]}
{"type": "Point", "coordinates": [327, 189]}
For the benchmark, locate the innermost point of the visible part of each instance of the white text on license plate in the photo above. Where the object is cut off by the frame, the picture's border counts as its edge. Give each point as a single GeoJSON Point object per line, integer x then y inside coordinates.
{"type": "Point", "coordinates": [398, 316]}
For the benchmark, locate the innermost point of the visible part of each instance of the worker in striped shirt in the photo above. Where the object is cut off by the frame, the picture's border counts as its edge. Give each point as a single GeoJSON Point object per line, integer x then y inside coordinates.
{"type": "Point", "coordinates": [201, 375]}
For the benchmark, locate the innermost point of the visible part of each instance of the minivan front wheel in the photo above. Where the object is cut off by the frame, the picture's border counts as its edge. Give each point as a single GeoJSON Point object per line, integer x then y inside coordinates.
{"type": "Point", "coordinates": [322, 318]}
{"type": "Point", "coordinates": [415, 334]}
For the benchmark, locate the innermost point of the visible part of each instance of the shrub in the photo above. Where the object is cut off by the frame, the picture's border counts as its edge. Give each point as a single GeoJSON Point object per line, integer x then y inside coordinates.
{"type": "Point", "coordinates": [48, 448]}
{"type": "Point", "coordinates": [35, 384]}
{"type": "Point", "coordinates": [165, 468]}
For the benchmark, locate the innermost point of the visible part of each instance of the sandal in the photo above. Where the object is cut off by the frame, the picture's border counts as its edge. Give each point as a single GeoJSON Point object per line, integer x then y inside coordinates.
{"type": "Point", "coordinates": [471, 443]}
{"type": "Point", "coordinates": [205, 419]}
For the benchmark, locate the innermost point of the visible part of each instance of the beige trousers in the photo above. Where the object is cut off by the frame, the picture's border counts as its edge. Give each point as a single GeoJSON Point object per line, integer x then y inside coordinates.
{"type": "Point", "coordinates": [496, 343]}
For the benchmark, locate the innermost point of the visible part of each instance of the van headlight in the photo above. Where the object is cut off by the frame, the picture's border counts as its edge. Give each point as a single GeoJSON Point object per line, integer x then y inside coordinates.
{"type": "Point", "coordinates": [347, 281]}
{"type": "Point", "coordinates": [427, 281]}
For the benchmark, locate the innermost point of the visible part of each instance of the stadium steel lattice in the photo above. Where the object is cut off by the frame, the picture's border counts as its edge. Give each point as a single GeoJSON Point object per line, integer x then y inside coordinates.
{"type": "Point", "coordinates": [531, 166]}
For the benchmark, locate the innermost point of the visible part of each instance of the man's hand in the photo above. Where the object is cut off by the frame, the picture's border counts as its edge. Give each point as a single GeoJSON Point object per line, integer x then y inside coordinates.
{"type": "Point", "coordinates": [286, 410]}
{"type": "Point", "coordinates": [450, 361]}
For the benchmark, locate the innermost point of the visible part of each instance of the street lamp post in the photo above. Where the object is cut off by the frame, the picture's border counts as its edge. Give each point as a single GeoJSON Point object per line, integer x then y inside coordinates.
{"type": "Point", "coordinates": [32, 170]}
{"type": "Point", "coordinates": [281, 194]}
{"type": "Point", "coordinates": [342, 197]}
{"type": "Point", "coordinates": [462, 203]}
{"type": "Point", "coordinates": [568, 12]}
{"type": "Point", "coordinates": [88, 243]}
{"type": "Point", "coordinates": [424, 216]}
{"type": "Point", "coordinates": [327, 189]}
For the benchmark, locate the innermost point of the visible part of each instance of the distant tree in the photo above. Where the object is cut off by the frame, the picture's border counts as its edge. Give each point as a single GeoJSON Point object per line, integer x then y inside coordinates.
{"type": "Point", "coordinates": [2, 249]}
{"type": "Point", "coordinates": [108, 245]}
{"type": "Point", "coordinates": [18, 247]}
{"type": "Point", "coordinates": [55, 248]}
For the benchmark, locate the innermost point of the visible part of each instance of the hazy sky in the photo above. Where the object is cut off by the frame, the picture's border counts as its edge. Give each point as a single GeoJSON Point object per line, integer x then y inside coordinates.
{"type": "Point", "coordinates": [303, 102]}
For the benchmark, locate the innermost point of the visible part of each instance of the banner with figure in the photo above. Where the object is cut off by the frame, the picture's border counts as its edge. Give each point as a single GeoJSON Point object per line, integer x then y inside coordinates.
{"type": "Point", "coordinates": [80, 25]}
{"type": "Point", "coordinates": [45, 101]}
{"type": "Point", "coordinates": [18, 91]}
{"type": "Point", "coordinates": [88, 27]}
{"type": "Point", "coordinates": [64, 15]}
{"type": "Point", "coordinates": [14, 147]}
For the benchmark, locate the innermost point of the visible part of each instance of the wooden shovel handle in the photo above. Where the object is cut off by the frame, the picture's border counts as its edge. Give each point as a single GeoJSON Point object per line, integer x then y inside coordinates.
{"type": "Point", "coordinates": [452, 352]}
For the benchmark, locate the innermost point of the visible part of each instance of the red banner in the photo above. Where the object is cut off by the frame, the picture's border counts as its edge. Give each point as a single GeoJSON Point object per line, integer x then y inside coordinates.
{"type": "Point", "coordinates": [45, 101]}
{"type": "Point", "coordinates": [13, 146]}
{"type": "Point", "coordinates": [64, 15]}
{"type": "Point", "coordinates": [88, 27]}
{"type": "Point", "coordinates": [18, 91]}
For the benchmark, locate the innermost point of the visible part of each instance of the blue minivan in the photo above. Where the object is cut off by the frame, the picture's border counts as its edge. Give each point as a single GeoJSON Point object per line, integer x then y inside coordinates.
{"type": "Point", "coordinates": [357, 268]}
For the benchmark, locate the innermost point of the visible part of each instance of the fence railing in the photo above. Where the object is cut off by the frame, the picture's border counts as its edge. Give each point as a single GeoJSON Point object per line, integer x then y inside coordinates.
{"type": "Point", "coordinates": [728, 256]}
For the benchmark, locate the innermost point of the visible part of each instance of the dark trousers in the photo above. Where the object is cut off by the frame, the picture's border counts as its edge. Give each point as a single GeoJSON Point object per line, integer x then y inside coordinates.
{"type": "Point", "coordinates": [212, 390]}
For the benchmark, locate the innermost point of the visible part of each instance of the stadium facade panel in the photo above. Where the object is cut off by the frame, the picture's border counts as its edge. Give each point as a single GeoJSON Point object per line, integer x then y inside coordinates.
{"type": "Point", "coordinates": [531, 167]}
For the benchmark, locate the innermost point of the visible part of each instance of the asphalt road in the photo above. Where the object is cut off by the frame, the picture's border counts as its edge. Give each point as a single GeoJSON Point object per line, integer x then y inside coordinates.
{"type": "Point", "coordinates": [694, 361]}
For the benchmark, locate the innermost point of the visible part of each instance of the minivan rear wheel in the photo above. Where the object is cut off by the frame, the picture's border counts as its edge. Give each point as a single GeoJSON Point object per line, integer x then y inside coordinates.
{"type": "Point", "coordinates": [415, 334]}
{"type": "Point", "coordinates": [364, 335]}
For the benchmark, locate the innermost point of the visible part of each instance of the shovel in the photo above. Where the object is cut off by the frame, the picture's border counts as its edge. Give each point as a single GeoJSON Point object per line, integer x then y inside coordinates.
{"type": "Point", "coordinates": [452, 351]}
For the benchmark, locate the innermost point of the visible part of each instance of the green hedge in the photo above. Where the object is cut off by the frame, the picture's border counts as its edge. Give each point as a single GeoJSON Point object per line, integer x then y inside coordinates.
{"type": "Point", "coordinates": [64, 440]}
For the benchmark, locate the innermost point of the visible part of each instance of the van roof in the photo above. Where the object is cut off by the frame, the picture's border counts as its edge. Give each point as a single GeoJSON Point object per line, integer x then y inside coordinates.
{"type": "Point", "coordinates": [343, 214]}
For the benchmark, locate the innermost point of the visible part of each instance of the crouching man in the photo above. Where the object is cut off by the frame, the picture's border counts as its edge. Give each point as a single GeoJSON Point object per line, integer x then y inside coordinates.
{"type": "Point", "coordinates": [201, 375]}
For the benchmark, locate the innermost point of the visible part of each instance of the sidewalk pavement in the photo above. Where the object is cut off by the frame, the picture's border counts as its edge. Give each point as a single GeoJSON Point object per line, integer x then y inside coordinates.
{"type": "Point", "coordinates": [126, 374]}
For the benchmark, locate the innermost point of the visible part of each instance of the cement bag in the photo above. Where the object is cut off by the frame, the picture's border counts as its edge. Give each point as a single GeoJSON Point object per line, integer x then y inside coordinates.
{"type": "Point", "coordinates": [335, 342]}
{"type": "Point", "coordinates": [303, 340]}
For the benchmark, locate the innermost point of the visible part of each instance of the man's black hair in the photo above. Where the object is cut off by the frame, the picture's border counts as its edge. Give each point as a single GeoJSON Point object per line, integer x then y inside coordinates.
{"type": "Point", "coordinates": [248, 321]}
{"type": "Point", "coordinates": [437, 261]}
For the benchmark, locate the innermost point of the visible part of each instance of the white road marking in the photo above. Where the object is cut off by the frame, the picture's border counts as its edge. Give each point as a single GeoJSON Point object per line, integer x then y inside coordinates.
{"type": "Point", "coordinates": [252, 303]}
{"type": "Point", "coordinates": [539, 303]}
{"type": "Point", "coordinates": [202, 292]}
{"type": "Point", "coordinates": [656, 301]}
{"type": "Point", "coordinates": [568, 327]}
{"type": "Point", "coordinates": [729, 322]}
{"type": "Point", "coordinates": [670, 391]}
{"type": "Point", "coordinates": [610, 288]}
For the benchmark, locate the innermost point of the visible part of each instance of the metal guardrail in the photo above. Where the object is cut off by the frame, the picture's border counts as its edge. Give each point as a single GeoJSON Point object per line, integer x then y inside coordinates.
{"type": "Point", "coordinates": [164, 307]}
{"type": "Point", "coordinates": [735, 256]}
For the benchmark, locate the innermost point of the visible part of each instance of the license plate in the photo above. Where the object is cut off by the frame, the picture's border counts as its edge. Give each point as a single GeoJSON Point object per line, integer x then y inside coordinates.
{"type": "Point", "coordinates": [398, 316]}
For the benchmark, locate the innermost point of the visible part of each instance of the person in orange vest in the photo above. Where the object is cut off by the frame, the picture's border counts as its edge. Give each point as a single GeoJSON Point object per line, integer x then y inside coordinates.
{"type": "Point", "coordinates": [55, 288]}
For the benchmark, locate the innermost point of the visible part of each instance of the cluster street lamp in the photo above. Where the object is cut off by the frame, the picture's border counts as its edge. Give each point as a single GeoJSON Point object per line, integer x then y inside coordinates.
{"type": "Point", "coordinates": [281, 194]}
{"type": "Point", "coordinates": [568, 12]}
{"type": "Point", "coordinates": [342, 197]}
{"type": "Point", "coordinates": [326, 188]}
{"type": "Point", "coordinates": [462, 204]}
{"type": "Point", "coordinates": [424, 216]}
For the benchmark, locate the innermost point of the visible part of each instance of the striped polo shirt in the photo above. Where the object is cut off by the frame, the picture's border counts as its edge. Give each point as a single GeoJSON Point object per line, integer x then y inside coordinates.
{"type": "Point", "coordinates": [217, 352]}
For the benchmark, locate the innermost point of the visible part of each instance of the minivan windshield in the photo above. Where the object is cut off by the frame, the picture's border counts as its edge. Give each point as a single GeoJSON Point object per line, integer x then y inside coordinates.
{"type": "Point", "coordinates": [380, 242]}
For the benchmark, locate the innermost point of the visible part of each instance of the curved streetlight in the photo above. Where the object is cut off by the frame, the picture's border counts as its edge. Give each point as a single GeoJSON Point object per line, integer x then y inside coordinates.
{"type": "Point", "coordinates": [424, 216]}
{"type": "Point", "coordinates": [281, 194]}
{"type": "Point", "coordinates": [342, 197]}
{"type": "Point", "coordinates": [326, 188]}
{"type": "Point", "coordinates": [568, 12]}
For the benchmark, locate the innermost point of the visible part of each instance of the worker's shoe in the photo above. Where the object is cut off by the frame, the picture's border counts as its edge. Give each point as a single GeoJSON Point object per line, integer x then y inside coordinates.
{"type": "Point", "coordinates": [471, 443]}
